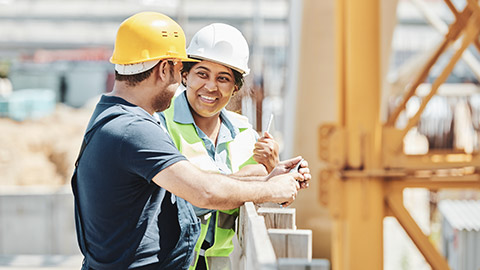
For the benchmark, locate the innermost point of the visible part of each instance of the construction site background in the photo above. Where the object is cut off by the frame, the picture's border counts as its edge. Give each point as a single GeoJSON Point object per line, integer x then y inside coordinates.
{"type": "Point", "coordinates": [62, 48]}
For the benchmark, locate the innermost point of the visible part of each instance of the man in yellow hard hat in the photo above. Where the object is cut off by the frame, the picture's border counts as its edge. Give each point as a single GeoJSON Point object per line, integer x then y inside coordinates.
{"type": "Point", "coordinates": [130, 183]}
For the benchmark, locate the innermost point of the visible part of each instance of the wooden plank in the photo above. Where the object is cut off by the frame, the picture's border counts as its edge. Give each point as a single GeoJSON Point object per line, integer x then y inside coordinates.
{"type": "Point", "coordinates": [278, 218]}
{"type": "Point", "coordinates": [261, 248]}
{"type": "Point", "coordinates": [291, 243]}
{"type": "Point", "coordinates": [279, 243]}
{"type": "Point", "coordinates": [260, 253]}
{"type": "Point", "coordinates": [303, 264]}
{"type": "Point", "coordinates": [257, 250]}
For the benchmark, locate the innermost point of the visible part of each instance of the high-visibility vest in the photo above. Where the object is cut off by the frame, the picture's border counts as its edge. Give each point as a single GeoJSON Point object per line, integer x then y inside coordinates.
{"type": "Point", "coordinates": [240, 153]}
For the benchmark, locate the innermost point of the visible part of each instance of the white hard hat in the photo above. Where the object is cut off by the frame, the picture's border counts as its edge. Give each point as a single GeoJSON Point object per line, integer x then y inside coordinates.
{"type": "Point", "coordinates": [223, 44]}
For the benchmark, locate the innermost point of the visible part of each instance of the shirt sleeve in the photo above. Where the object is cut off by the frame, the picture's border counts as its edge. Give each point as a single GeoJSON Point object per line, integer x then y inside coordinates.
{"type": "Point", "coordinates": [147, 149]}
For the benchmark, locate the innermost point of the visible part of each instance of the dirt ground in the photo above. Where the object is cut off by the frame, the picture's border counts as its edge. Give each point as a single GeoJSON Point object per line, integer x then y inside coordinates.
{"type": "Point", "coordinates": [43, 151]}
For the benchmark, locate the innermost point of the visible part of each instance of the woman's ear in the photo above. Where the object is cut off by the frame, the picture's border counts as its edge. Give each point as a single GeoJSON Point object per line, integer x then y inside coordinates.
{"type": "Point", "coordinates": [184, 78]}
{"type": "Point", "coordinates": [235, 90]}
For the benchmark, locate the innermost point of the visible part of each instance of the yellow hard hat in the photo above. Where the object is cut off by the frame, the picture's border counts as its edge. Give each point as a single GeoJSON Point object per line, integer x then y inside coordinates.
{"type": "Point", "coordinates": [146, 38]}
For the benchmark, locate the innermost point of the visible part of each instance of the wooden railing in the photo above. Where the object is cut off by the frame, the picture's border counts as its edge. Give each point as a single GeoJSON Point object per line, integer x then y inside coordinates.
{"type": "Point", "coordinates": [268, 239]}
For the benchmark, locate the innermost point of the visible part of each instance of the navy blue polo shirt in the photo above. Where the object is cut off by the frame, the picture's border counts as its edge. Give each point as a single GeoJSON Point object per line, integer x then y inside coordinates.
{"type": "Point", "coordinates": [128, 221]}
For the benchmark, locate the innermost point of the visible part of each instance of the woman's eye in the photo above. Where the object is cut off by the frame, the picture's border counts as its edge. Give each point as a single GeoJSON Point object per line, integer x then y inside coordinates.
{"type": "Point", "coordinates": [223, 79]}
{"type": "Point", "coordinates": [202, 74]}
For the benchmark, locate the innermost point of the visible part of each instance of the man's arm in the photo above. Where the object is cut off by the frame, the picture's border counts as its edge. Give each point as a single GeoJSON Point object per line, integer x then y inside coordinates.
{"type": "Point", "coordinates": [257, 172]}
{"type": "Point", "coordinates": [216, 191]}
{"type": "Point", "coordinates": [251, 172]}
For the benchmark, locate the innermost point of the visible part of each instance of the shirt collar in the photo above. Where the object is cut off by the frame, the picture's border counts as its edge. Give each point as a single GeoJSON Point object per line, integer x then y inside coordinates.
{"type": "Point", "coordinates": [116, 100]}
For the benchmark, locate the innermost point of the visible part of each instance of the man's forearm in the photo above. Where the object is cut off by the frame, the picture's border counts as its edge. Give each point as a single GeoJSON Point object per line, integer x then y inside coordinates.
{"type": "Point", "coordinates": [231, 192]}
{"type": "Point", "coordinates": [248, 178]}
{"type": "Point", "coordinates": [252, 172]}
{"type": "Point", "coordinates": [216, 191]}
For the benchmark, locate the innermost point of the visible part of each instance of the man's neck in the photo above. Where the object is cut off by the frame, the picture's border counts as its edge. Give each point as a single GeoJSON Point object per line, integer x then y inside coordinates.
{"type": "Point", "coordinates": [133, 95]}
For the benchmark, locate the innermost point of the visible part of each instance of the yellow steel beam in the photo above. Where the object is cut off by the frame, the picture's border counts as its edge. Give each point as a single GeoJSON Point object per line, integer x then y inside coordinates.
{"type": "Point", "coordinates": [474, 5]}
{"type": "Point", "coordinates": [452, 7]}
{"type": "Point", "coordinates": [436, 184]}
{"type": "Point", "coordinates": [420, 78]}
{"type": "Point", "coordinates": [340, 52]}
{"type": "Point", "coordinates": [359, 219]}
{"type": "Point", "coordinates": [433, 257]}
{"type": "Point", "coordinates": [361, 33]}
{"type": "Point", "coordinates": [361, 187]}
{"type": "Point", "coordinates": [453, 33]}
{"type": "Point", "coordinates": [455, 12]}
{"type": "Point", "coordinates": [394, 157]}
{"type": "Point", "coordinates": [460, 178]}
{"type": "Point", "coordinates": [471, 32]}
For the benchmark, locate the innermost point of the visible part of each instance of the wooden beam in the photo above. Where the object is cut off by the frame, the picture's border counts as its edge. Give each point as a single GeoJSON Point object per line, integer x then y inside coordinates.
{"type": "Point", "coordinates": [257, 250]}
{"type": "Point", "coordinates": [291, 243]}
{"type": "Point", "coordinates": [278, 218]}
{"type": "Point", "coordinates": [303, 264]}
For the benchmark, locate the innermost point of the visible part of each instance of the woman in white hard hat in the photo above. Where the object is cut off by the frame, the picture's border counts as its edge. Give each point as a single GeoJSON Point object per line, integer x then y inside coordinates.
{"type": "Point", "coordinates": [214, 138]}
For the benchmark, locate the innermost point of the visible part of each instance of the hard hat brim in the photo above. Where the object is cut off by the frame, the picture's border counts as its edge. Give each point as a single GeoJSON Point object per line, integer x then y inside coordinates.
{"type": "Point", "coordinates": [136, 68]}
{"type": "Point", "coordinates": [199, 58]}
{"type": "Point", "coordinates": [187, 59]}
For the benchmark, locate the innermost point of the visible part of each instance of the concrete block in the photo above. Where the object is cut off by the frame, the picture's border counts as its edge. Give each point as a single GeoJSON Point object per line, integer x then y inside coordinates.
{"type": "Point", "coordinates": [37, 220]}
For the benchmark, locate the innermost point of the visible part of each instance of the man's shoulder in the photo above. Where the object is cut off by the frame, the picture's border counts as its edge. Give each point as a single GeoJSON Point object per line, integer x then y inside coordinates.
{"type": "Point", "coordinates": [126, 115]}
{"type": "Point", "coordinates": [122, 121]}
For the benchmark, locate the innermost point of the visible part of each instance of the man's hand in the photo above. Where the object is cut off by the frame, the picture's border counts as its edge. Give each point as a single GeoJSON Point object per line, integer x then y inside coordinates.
{"type": "Point", "coordinates": [285, 166]}
{"type": "Point", "coordinates": [266, 151]}
{"type": "Point", "coordinates": [284, 188]}
{"type": "Point", "coordinates": [305, 171]}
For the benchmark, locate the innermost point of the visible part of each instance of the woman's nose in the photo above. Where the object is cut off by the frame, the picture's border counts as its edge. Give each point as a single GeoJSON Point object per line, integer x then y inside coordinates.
{"type": "Point", "coordinates": [211, 86]}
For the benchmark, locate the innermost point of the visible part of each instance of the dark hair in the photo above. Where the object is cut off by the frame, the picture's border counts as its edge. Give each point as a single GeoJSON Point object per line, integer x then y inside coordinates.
{"type": "Point", "coordinates": [135, 79]}
{"type": "Point", "coordinates": [238, 77]}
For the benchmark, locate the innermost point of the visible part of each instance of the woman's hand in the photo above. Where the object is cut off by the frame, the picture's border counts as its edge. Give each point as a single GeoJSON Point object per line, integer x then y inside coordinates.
{"type": "Point", "coordinates": [288, 165]}
{"type": "Point", "coordinates": [266, 152]}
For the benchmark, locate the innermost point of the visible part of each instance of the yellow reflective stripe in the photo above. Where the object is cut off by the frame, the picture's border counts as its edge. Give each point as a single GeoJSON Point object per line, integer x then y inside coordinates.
{"type": "Point", "coordinates": [240, 153]}
{"type": "Point", "coordinates": [200, 240]}
{"type": "Point", "coordinates": [186, 139]}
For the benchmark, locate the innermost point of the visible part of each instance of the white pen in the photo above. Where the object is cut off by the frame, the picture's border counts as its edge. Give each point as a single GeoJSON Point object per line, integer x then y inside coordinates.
{"type": "Point", "coordinates": [269, 125]}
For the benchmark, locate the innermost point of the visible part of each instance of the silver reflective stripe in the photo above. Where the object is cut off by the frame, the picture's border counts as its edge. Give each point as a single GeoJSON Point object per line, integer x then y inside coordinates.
{"type": "Point", "coordinates": [202, 252]}
{"type": "Point", "coordinates": [204, 218]}
{"type": "Point", "coordinates": [219, 263]}
{"type": "Point", "coordinates": [192, 264]}
{"type": "Point", "coordinates": [226, 221]}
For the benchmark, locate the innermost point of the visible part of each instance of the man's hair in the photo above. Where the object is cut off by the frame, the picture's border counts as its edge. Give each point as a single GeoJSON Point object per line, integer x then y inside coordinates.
{"type": "Point", "coordinates": [133, 80]}
{"type": "Point", "coordinates": [238, 77]}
